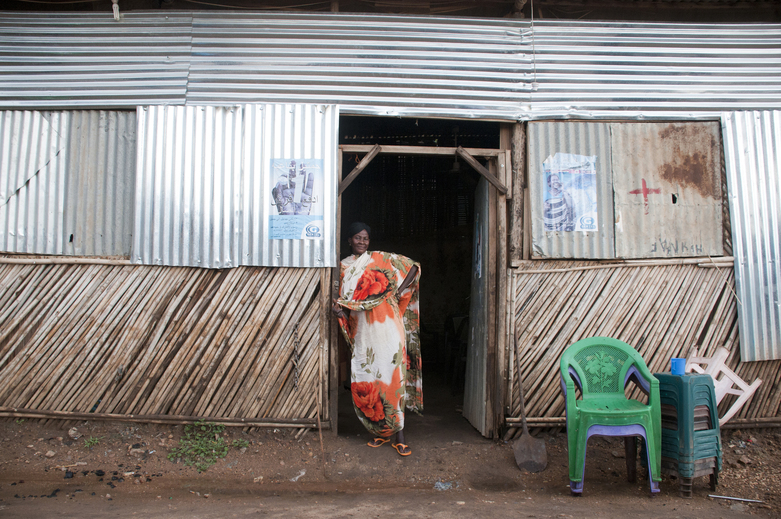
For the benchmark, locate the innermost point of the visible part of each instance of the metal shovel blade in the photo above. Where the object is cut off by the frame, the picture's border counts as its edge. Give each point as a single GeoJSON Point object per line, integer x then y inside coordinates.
{"type": "Point", "coordinates": [530, 453]}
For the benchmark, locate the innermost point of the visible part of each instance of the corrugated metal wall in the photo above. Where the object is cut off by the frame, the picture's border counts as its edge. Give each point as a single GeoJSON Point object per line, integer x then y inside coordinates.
{"type": "Point", "coordinates": [204, 184]}
{"type": "Point", "coordinates": [67, 182]}
{"type": "Point", "coordinates": [390, 65]}
{"type": "Point", "coordinates": [667, 189]}
{"type": "Point", "coordinates": [585, 139]}
{"type": "Point", "coordinates": [752, 149]}
{"type": "Point", "coordinates": [657, 189]}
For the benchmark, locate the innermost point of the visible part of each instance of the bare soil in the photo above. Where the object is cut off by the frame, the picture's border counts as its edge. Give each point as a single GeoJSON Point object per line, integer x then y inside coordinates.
{"type": "Point", "coordinates": [453, 471]}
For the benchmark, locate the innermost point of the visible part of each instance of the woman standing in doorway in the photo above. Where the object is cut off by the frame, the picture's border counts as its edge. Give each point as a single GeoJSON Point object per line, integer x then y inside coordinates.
{"type": "Point", "coordinates": [378, 314]}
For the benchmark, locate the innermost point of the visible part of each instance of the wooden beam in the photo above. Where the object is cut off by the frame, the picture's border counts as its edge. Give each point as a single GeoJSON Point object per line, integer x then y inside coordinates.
{"type": "Point", "coordinates": [333, 353]}
{"type": "Point", "coordinates": [360, 167]}
{"type": "Point", "coordinates": [14, 412]}
{"type": "Point", "coordinates": [420, 150]}
{"type": "Point", "coordinates": [518, 187]}
{"type": "Point", "coordinates": [500, 371]}
{"type": "Point", "coordinates": [481, 169]}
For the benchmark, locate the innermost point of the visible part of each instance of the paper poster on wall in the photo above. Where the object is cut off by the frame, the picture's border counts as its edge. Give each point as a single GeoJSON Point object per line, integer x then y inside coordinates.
{"type": "Point", "coordinates": [570, 193]}
{"type": "Point", "coordinates": [297, 199]}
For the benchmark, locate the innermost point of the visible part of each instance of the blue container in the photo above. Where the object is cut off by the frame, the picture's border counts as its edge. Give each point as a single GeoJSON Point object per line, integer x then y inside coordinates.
{"type": "Point", "coordinates": [678, 366]}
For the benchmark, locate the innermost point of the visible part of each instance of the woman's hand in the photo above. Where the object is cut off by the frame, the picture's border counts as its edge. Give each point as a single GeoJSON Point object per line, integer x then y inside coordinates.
{"type": "Point", "coordinates": [408, 279]}
{"type": "Point", "coordinates": [337, 310]}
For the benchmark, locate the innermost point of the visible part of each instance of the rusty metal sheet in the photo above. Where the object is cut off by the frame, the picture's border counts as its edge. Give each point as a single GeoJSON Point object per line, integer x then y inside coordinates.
{"type": "Point", "coordinates": [667, 188]}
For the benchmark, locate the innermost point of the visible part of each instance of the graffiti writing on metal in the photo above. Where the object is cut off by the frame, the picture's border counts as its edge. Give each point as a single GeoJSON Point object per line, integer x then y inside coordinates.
{"type": "Point", "coordinates": [674, 247]}
{"type": "Point", "coordinates": [645, 191]}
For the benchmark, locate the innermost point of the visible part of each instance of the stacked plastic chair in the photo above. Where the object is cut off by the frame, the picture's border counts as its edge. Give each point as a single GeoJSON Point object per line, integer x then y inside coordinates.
{"type": "Point", "coordinates": [691, 440]}
{"type": "Point", "coordinates": [601, 367]}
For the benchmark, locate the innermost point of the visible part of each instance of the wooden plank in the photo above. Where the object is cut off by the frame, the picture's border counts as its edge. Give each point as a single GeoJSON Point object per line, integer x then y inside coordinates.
{"type": "Point", "coordinates": [360, 167]}
{"type": "Point", "coordinates": [500, 372]}
{"type": "Point", "coordinates": [420, 150]}
{"type": "Point", "coordinates": [324, 344]}
{"type": "Point", "coordinates": [59, 260]}
{"type": "Point", "coordinates": [262, 322]}
{"type": "Point", "coordinates": [491, 325]}
{"type": "Point", "coordinates": [280, 369]}
{"type": "Point", "coordinates": [518, 168]}
{"type": "Point", "coordinates": [489, 175]}
{"type": "Point", "coordinates": [159, 419]}
{"type": "Point", "coordinates": [332, 411]}
{"type": "Point", "coordinates": [527, 225]}
{"type": "Point", "coordinates": [269, 309]}
{"type": "Point", "coordinates": [234, 376]}
{"type": "Point", "coordinates": [274, 355]}
{"type": "Point", "coordinates": [149, 349]}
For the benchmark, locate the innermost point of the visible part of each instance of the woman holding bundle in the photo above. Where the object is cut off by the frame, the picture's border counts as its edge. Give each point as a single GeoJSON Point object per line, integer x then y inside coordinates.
{"type": "Point", "coordinates": [378, 315]}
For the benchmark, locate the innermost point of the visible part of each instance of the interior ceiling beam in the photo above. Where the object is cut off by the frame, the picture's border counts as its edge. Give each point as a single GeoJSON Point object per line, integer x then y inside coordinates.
{"type": "Point", "coordinates": [420, 150]}
{"type": "Point", "coordinates": [704, 5]}
{"type": "Point", "coordinates": [468, 154]}
{"type": "Point", "coordinates": [360, 167]}
{"type": "Point", "coordinates": [482, 170]}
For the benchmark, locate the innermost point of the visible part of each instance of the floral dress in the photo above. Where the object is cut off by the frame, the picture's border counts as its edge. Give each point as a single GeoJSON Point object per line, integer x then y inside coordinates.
{"type": "Point", "coordinates": [383, 334]}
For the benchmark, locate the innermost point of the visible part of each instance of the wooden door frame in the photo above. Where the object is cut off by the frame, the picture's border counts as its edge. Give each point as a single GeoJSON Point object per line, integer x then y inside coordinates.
{"type": "Point", "coordinates": [500, 180]}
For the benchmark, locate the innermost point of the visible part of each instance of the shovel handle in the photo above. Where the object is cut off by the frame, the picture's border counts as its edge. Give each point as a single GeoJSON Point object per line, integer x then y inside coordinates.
{"type": "Point", "coordinates": [520, 385]}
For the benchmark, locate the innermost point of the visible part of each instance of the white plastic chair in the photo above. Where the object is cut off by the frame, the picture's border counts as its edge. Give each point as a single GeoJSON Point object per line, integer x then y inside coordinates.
{"type": "Point", "coordinates": [714, 366]}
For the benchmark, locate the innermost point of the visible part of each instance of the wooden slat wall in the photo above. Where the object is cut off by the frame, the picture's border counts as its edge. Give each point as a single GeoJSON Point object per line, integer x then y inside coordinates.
{"type": "Point", "coordinates": [161, 340]}
{"type": "Point", "coordinates": [662, 311]}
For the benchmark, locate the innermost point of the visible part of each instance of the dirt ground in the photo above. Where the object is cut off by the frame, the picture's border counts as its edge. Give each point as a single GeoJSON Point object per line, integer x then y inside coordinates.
{"type": "Point", "coordinates": [453, 472]}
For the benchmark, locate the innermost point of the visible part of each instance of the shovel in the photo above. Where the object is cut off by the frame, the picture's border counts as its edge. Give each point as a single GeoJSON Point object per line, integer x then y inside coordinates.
{"type": "Point", "coordinates": [530, 453]}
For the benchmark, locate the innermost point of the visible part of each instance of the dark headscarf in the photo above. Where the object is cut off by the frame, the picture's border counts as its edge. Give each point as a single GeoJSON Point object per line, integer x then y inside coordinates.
{"type": "Point", "coordinates": [357, 227]}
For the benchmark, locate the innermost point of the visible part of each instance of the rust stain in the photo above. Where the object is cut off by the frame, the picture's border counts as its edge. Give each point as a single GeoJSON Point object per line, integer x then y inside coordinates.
{"type": "Point", "coordinates": [687, 167]}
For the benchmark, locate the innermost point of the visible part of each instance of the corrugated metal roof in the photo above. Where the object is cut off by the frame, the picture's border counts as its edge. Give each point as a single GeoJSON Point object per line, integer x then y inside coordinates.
{"type": "Point", "coordinates": [366, 64]}
{"type": "Point", "coordinates": [206, 181]}
{"type": "Point", "coordinates": [390, 65]}
{"type": "Point", "coordinates": [54, 60]}
{"type": "Point", "coordinates": [752, 149]}
{"type": "Point", "coordinates": [67, 182]}
{"type": "Point", "coordinates": [591, 68]}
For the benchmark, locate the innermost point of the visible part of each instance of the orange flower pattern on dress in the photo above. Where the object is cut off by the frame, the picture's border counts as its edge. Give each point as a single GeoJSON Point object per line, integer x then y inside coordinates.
{"type": "Point", "coordinates": [383, 334]}
{"type": "Point", "coordinates": [372, 283]}
{"type": "Point", "coordinates": [367, 398]}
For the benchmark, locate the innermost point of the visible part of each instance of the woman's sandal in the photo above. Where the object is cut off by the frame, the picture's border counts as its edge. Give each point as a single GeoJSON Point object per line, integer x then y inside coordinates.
{"type": "Point", "coordinates": [377, 442]}
{"type": "Point", "coordinates": [402, 449]}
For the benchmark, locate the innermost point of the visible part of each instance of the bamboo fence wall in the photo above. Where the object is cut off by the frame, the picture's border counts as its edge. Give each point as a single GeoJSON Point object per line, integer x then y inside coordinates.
{"type": "Point", "coordinates": [662, 310]}
{"type": "Point", "coordinates": [162, 341]}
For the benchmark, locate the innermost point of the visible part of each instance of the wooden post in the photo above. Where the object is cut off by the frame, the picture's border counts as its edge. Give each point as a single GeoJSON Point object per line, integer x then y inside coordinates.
{"type": "Point", "coordinates": [357, 171]}
{"type": "Point", "coordinates": [333, 368]}
{"type": "Point", "coordinates": [489, 175]}
{"type": "Point", "coordinates": [517, 215]}
{"type": "Point", "coordinates": [493, 311]}
{"type": "Point", "coordinates": [500, 372]}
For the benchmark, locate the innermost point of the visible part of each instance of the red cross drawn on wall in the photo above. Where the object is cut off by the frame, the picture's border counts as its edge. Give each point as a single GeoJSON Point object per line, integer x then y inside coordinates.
{"type": "Point", "coordinates": [645, 192]}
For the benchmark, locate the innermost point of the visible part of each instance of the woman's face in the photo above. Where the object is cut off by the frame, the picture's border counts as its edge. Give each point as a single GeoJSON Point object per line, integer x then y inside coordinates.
{"type": "Point", "coordinates": [359, 242]}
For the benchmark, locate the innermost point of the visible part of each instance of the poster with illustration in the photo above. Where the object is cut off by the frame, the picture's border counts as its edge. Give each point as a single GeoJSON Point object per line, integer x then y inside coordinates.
{"type": "Point", "coordinates": [297, 199]}
{"type": "Point", "coordinates": [570, 193]}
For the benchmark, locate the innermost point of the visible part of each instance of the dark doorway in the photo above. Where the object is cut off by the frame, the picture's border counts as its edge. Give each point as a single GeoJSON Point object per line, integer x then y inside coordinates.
{"type": "Point", "coordinates": [421, 206]}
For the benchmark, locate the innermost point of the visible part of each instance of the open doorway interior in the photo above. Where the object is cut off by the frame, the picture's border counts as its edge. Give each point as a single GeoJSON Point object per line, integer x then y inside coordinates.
{"type": "Point", "coordinates": [420, 206]}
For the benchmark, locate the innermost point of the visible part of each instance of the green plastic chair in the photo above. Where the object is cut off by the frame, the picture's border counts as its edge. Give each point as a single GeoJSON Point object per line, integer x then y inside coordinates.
{"type": "Point", "coordinates": [601, 367]}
